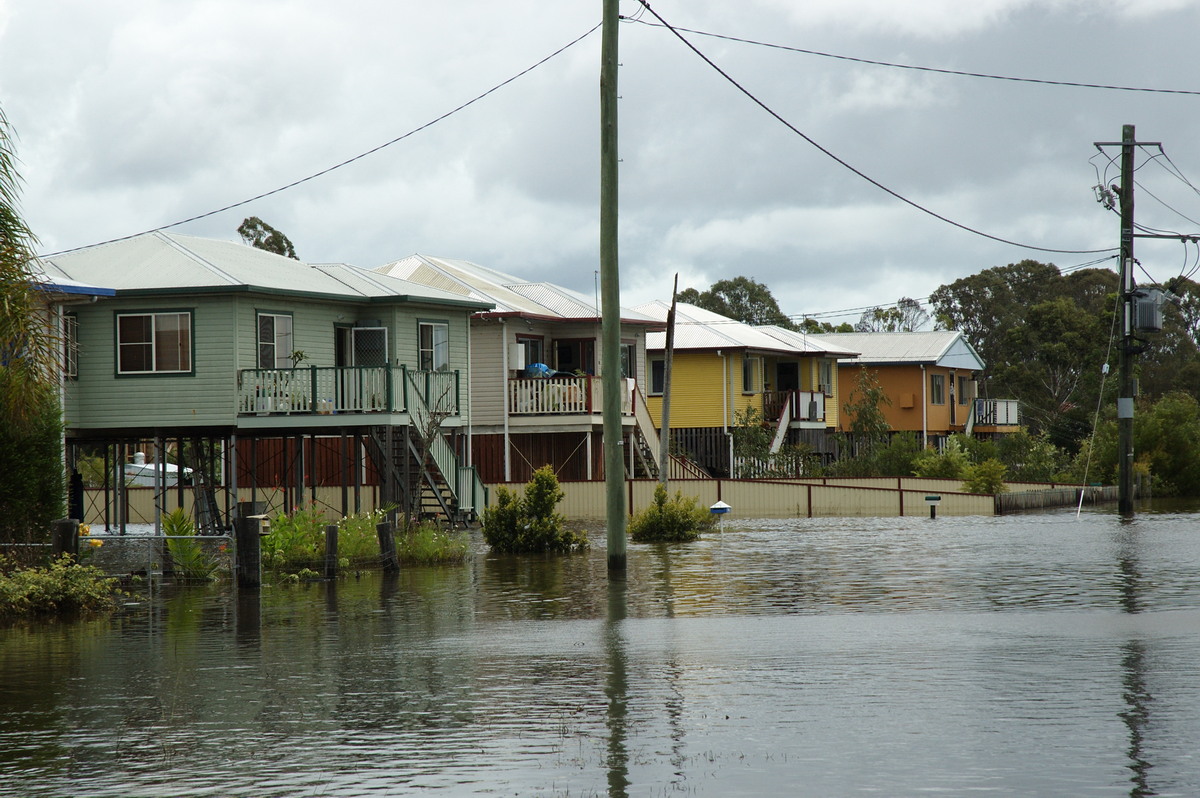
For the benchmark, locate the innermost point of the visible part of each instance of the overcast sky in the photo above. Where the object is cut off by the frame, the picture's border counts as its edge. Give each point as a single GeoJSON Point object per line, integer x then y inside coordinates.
{"type": "Point", "coordinates": [135, 114]}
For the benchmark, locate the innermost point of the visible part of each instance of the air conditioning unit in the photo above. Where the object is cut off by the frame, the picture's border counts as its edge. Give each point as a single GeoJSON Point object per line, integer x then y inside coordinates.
{"type": "Point", "coordinates": [516, 357]}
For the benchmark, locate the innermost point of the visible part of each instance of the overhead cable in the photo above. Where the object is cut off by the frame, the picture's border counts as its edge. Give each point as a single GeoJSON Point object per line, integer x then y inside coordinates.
{"type": "Point", "coordinates": [848, 166]}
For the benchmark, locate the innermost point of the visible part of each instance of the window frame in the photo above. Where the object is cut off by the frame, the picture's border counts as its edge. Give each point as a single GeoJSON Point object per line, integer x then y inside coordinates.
{"type": "Point", "coordinates": [259, 315]}
{"type": "Point", "coordinates": [937, 389]}
{"type": "Point", "coordinates": [752, 368]}
{"type": "Point", "coordinates": [657, 368]}
{"type": "Point", "coordinates": [434, 345]}
{"type": "Point", "coordinates": [70, 341]}
{"type": "Point", "coordinates": [529, 343]}
{"type": "Point", "coordinates": [189, 349]}
{"type": "Point", "coordinates": [628, 359]}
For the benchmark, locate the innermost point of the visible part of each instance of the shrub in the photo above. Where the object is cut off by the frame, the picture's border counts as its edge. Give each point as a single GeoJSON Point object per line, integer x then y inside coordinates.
{"type": "Point", "coordinates": [529, 523]}
{"type": "Point", "coordinates": [429, 544]}
{"type": "Point", "coordinates": [949, 464]}
{"type": "Point", "coordinates": [669, 520]}
{"type": "Point", "coordinates": [61, 588]}
{"type": "Point", "coordinates": [295, 541]}
{"type": "Point", "coordinates": [358, 540]}
{"type": "Point", "coordinates": [192, 563]}
{"type": "Point", "coordinates": [985, 477]}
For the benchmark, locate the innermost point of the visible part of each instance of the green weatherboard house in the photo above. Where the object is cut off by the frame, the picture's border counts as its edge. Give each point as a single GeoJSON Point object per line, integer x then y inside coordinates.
{"type": "Point", "coordinates": [263, 373]}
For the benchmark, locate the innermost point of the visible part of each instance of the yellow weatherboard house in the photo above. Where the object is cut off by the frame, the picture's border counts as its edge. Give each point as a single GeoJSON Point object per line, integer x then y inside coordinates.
{"type": "Point", "coordinates": [724, 371]}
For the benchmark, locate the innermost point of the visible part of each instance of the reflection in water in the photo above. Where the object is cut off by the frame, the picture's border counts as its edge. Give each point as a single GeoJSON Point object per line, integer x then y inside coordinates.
{"type": "Point", "coordinates": [248, 618]}
{"type": "Point", "coordinates": [806, 657]}
{"type": "Point", "coordinates": [1136, 715]}
{"type": "Point", "coordinates": [616, 688]}
{"type": "Point", "coordinates": [1135, 692]}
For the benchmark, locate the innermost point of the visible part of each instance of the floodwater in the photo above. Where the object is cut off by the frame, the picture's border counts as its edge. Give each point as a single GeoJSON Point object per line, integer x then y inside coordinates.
{"type": "Point", "coordinates": [1035, 655]}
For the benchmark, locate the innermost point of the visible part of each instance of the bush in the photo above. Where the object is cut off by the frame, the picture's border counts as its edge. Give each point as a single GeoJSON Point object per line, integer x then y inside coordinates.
{"type": "Point", "coordinates": [191, 562]}
{"type": "Point", "coordinates": [985, 477]}
{"type": "Point", "coordinates": [949, 464]}
{"type": "Point", "coordinates": [61, 588]}
{"type": "Point", "coordinates": [530, 523]}
{"type": "Point", "coordinates": [669, 520]}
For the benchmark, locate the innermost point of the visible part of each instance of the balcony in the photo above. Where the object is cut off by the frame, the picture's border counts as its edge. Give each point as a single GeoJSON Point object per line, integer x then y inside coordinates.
{"type": "Point", "coordinates": [997, 413]}
{"type": "Point", "coordinates": [559, 396]}
{"type": "Point", "coordinates": [801, 405]}
{"type": "Point", "coordinates": [327, 391]}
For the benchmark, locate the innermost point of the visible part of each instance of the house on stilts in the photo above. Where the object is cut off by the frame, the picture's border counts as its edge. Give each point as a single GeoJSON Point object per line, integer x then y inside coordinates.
{"type": "Point", "coordinates": [265, 378]}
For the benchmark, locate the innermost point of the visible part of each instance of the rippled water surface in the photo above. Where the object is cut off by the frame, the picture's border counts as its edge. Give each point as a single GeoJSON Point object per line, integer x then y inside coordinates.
{"type": "Point", "coordinates": [1025, 655]}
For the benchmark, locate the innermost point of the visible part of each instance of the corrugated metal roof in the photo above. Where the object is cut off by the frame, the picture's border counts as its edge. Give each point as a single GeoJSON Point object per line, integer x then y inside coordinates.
{"type": "Point", "coordinates": [509, 294]}
{"type": "Point", "coordinates": [937, 347]}
{"type": "Point", "coordinates": [697, 328]}
{"type": "Point", "coordinates": [808, 344]}
{"type": "Point", "coordinates": [167, 261]}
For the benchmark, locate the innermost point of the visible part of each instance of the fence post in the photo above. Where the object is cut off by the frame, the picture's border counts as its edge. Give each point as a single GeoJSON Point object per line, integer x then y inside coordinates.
{"type": "Point", "coordinates": [387, 548]}
{"type": "Point", "coordinates": [331, 551]}
{"type": "Point", "coordinates": [64, 537]}
{"type": "Point", "coordinates": [248, 543]}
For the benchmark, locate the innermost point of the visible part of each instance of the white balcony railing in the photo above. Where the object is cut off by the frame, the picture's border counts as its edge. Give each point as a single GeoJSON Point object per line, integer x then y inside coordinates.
{"type": "Point", "coordinates": [562, 396]}
{"type": "Point", "coordinates": [326, 390]}
{"type": "Point", "coordinates": [997, 412]}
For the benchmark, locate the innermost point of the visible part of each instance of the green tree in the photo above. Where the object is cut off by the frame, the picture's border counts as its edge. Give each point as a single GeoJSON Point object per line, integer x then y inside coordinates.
{"type": "Point", "coordinates": [31, 492]}
{"type": "Point", "coordinates": [740, 298]}
{"type": "Point", "coordinates": [907, 315]}
{"type": "Point", "coordinates": [260, 235]}
{"type": "Point", "coordinates": [1043, 336]}
{"type": "Point", "coordinates": [985, 305]}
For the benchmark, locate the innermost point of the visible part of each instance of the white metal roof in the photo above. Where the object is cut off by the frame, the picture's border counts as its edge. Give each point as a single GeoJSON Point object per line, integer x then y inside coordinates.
{"type": "Point", "coordinates": [808, 344]}
{"type": "Point", "coordinates": [169, 262]}
{"type": "Point", "coordinates": [947, 348]}
{"type": "Point", "coordinates": [508, 293]}
{"type": "Point", "coordinates": [697, 328]}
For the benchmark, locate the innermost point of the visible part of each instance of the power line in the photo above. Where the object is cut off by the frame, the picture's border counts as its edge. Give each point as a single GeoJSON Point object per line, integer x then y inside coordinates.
{"type": "Point", "coordinates": [348, 161]}
{"type": "Point", "coordinates": [914, 67]}
{"type": "Point", "coordinates": [851, 168]}
{"type": "Point", "coordinates": [924, 300]}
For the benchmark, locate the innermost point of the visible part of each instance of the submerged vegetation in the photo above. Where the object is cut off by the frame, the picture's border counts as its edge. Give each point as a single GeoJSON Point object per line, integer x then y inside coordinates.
{"type": "Point", "coordinates": [670, 520]}
{"type": "Point", "coordinates": [296, 541]}
{"type": "Point", "coordinates": [530, 522]}
{"type": "Point", "coordinates": [60, 589]}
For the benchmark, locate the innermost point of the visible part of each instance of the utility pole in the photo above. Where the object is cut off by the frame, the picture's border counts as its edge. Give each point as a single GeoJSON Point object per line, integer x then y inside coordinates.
{"type": "Point", "coordinates": [664, 456]}
{"type": "Point", "coordinates": [610, 296]}
{"type": "Point", "coordinates": [1125, 362]}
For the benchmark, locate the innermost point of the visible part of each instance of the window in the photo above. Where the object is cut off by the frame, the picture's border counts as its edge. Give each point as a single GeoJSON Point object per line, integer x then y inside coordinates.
{"type": "Point", "coordinates": [433, 347]}
{"type": "Point", "coordinates": [825, 377]}
{"type": "Point", "coordinates": [275, 344]}
{"type": "Point", "coordinates": [937, 389]}
{"type": "Point", "coordinates": [70, 346]}
{"type": "Point", "coordinates": [531, 347]}
{"type": "Point", "coordinates": [964, 387]}
{"type": "Point", "coordinates": [154, 343]}
{"type": "Point", "coordinates": [658, 376]}
{"type": "Point", "coordinates": [751, 369]}
{"type": "Point", "coordinates": [628, 360]}
{"type": "Point", "coordinates": [575, 355]}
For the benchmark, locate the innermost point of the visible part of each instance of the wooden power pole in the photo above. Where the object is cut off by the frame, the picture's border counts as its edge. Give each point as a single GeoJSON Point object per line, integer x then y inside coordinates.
{"type": "Point", "coordinates": [1125, 361]}
{"type": "Point", "coordinates": [610, 295]}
